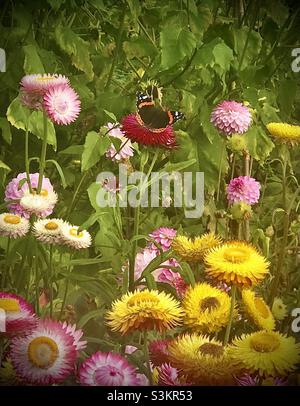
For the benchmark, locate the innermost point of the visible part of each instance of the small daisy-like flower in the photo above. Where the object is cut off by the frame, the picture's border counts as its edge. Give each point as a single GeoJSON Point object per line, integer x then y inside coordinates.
{"type": "Point", "coordinates": [159, 353]}
{"type": "Point", "coordinates": [203, 360]}
{"type": "Point", "coordinates": [267, 353]}
{"type": "Point", "coordinates": [38, 204]}
{"type": "Point", "coordinates": [169, 376]}
{"type": "Point", "coordinates": [62, 104]}
{"type": "Point", "coordinates": [48, 230]}
{"type": "Point", "coordinates": [284, 132]}
{"type": "Point", "coordinates": [107, 369]}
{"type": "Point", "coordinates": [236, 262]}
{"type": "Point", "coordinates": [258, 310]}
{"type": "Point", "coordinates": [145, 310]}
{"type": "Point", "coordinates": [13, 226]}
{"type": "Point", "coordinates": [74, 239]}
{"type": "Point", "coordinates": [164, 237]}
{"type": "Point", "coordinates": [206, 309]}
{"type": "Point", "coordinates": [18, 186]}
{"type": "Point", "coordinates": [279, 309]}
{"type": "Point", "coordinates": [243, 189]}
{"type": "Point", "coordinates": [45, 356]}
{"type": "Point", "coordinates": [136, 131]}
{"type": "Point", "coordinates": [19, 315]}
{"type": "Point", "coordinates": [231, 117]}
{"type": "Point", "coordinates": [193, 250]}
{"type": "Point", "coordinates": [76, 334]}
{"type": "Point", "coordinates": [33, 88]}
{"type": "Point", "coordinates": [126, 150]}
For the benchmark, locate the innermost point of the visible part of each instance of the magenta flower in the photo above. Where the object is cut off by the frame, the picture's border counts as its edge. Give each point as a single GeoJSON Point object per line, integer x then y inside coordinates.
{"type": "Point", "coordinates": [243, 189]}
{"type": "Point", "coordinates": [34, 87]}
{"type": "Point", "coordinates": [137, 132]}
{"type": "Point", "coordinates": [108, 369]}
{"type": "Point", "coordinates": [19, 315]}
{"type": "Point", "coordinates": [126, 150]}
{"type": "Point", "coordinates": [164, 237]}
{"type": "Point", "coordinates": [16, 189]}
{"type": "Point", "coordinates": [231, 117]}
{"type": "Point", "coordinates": [45, 356]}
{"type": "Point", "coordinates": [172, 278]}
{"type": "Point", "coordinates": [169, 376]}
{"type": "Point", "coordinates": [159, 353]}
{"type": "Point", "coordinates": [76, 335]}
{"type": "Point", "coordinates": [62, 104]}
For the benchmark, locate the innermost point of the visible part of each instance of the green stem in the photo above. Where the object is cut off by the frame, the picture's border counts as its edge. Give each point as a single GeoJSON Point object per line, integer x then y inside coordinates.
{"type": "Point", "coordinates": [43, 153]}
{"type": "Point", "coordinates": [228, 328]}
{"type": "Point", "coordinates": [247, 173]}
{"type": "Point", "coordinates": [146, 352]}
{"type": "Point", "coordinates": [220, 169]}
{"type": "Point", "coordinates": [51, 279]}
{"type": "Point", "coordinates": [6, 268]}
{"type": "Point", "coordinates": [65, 293]}
{"type": "Point", "coordinates": [74, 203]}
{"type": "Point", "coordinates": [37, 282]}
{"type": "Point", "coordinates": [27, 159]}
{"type": "Point", "coordinates": [255, 14]}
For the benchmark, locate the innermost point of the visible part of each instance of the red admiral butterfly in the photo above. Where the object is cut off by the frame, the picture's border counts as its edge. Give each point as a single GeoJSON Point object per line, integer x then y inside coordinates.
{"type": "Point", "coordinates": [153, 117]}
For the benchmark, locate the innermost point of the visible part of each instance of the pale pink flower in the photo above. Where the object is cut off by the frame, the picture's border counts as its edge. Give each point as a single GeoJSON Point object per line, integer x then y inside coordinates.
{"type": "Point", "coordinates": [243, 189]}
{"type": "Point", "coordinates": [169, 376]}
{"type": "Point", "coordinates": [108, 369]}
{"type": "Point", "coordinates": [125, 150]}
{"type": "Point", "coordinates": [231, 117]}
{"type": "Point", "coordinates": [62, 104]}
{"type": "Point", "coordinates": [164, 237]}
{"type": "Point", "coordinates": [18, 186]}
{"type": "Point", "coordinates": [76, 334]}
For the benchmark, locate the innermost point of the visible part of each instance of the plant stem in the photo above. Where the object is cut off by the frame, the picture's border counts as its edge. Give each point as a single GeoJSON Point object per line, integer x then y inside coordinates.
{"type": "Point", "coordinates": [73, 205]}
{"type": "Point", "coordinates": [50, 279]}
{"type": "Point", "coordinates": [65, 293]}
{"type": "Point", "coordinates": [220, 169]}
{"type": "Point", "coordinates": [146, 352]}
{"type": "Point", "coordinates": [228, 328]}
{"type": "Point", "coordinates": [27, 159]}
{"type": "Point", "coordinates": [6, 268]}
{"type": "Point", "coordinates": [247, 172]}
{"type": "Point", "coordinates": [43, 154]}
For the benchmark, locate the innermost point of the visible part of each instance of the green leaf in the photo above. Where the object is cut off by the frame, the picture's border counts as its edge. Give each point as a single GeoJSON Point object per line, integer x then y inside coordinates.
{"type": "Point", "coordinates": [76, 48]}
{"type": "Point", "coordinates": [110, 115]}
{"type": "Point", "coordinates": [5, 127]}
{"type": "Point", "coordinates": [32, 61]}
{"type": "Point", "coordinates": [4, 166]}
{"type": "Point", "coordinates": [89, 316]}
{"type": "Point", "coordinates": [223, 55]}
{"type": "Point", "coordinates": [94, 148]}
{"type": "Point", "coordinates": [73, 150]}
{"type": "Point", "coordinates": [59, 170]}
{"type": "Point", "coordinates": [259, 143]}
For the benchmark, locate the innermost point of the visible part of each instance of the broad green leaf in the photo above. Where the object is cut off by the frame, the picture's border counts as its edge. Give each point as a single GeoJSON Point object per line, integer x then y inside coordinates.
{"type": "Point", "coordinates": [76, 48]}
{"type": "Point", "coordinates": [258, 142]}
{"type": "Point", "coordinates": [94, 148]}
{"type": "Point", "coordinates": [73, 150]}
{"type": "Point", "coordinates": [32, 61]}
{"type": "Point", "coordinates": [89, 316]}
{"type": "Point", "coordinates": [4, 166]}
{"type": "Point", "coordinates": [5, 127]}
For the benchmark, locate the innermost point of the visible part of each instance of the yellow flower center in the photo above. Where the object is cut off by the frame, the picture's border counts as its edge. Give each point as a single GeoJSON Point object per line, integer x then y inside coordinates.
{"type": "Point", "coordinates": [261, 307]}
{"type": "Point", "coordinates": [209, 303]}
{"type": "Point", "coordinates": [264, 342]}
{"type": "Point", "coordinates": [236, 255]}
{"type": "Point", "coordinates": [12, 219]}
{"type": "Point", "coordinates": [74, 233]}
{"type": "Point", "coordinates": [43, 352]}
{"type": "Point", "coordinates": [44, 79]}
{"type": "Point", "coordinates": [212, 349]}
{"type": "Point", "coordinates": [9, 305]}
{"type": "Point", "coordinates": [51, 225]}
{"type": "Point", "coordinates": [142, 297]}
{"type": "Point", "coordinates": [43, 193]}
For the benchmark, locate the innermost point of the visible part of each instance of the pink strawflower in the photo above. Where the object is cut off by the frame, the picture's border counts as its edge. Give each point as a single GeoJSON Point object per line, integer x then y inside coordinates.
{"type": "Point", "coordinates": [142, 260]}
{"type": "Point", "coordinates": [158, 351]}
{"type": "Point", "coordinates": [169, 376]}
{"type": "Point", "coordinates": [45, 356]}
{"type": "Point", "coordinates": [137, 132]}
{"type": "Point", "coordinates": [243, 189]}
{"type": "Point", "coordinates": [125, 149]}
{"type": "Point", "coordinates": [164, 237]}
{"type": "Point", "coordinates": [16, 189]}
{"type": "Point", "coordinates": [231, 117]}
{"type": "Point", "coordinates": [62, 104]}
{"type": "Point", "coordinates": [34, 87]}
{"type": "Point", "coordinates": [107, 369]}
{"type": "Point", "coordinates": [76, 334]}
{"type": "Point", "coordinates": [19, 318]}
{"type": "Point", "coordinates": [172, 278]}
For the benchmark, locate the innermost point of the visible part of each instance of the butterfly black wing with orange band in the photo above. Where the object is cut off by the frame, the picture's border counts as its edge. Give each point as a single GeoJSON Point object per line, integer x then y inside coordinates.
{"type": "Point", "coordinates": [153, 117]}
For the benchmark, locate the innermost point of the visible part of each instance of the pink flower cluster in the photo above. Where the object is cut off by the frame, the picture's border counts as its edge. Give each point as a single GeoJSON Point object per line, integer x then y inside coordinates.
{"type": "Point", "coordinates": [231, 117]}
{"type": "Point", "coordinates": [243, 189]}
{"type": "Point", "coordinates": [53, 94]}
{"type": "Point", "coordinates": [16, 188]}
{"type": "Point", "coordinates": [163, 236]}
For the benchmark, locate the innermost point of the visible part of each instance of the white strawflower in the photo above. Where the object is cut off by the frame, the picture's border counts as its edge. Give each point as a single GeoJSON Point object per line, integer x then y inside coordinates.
{"type": "Point", "coordinates": [48, 230]}
{"type": "Point", "coordinates": [37, 204]}
{"type": "Point", "coordinates": [74, 239]}
{"type": "Point", "coordinates": [13, 226]}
